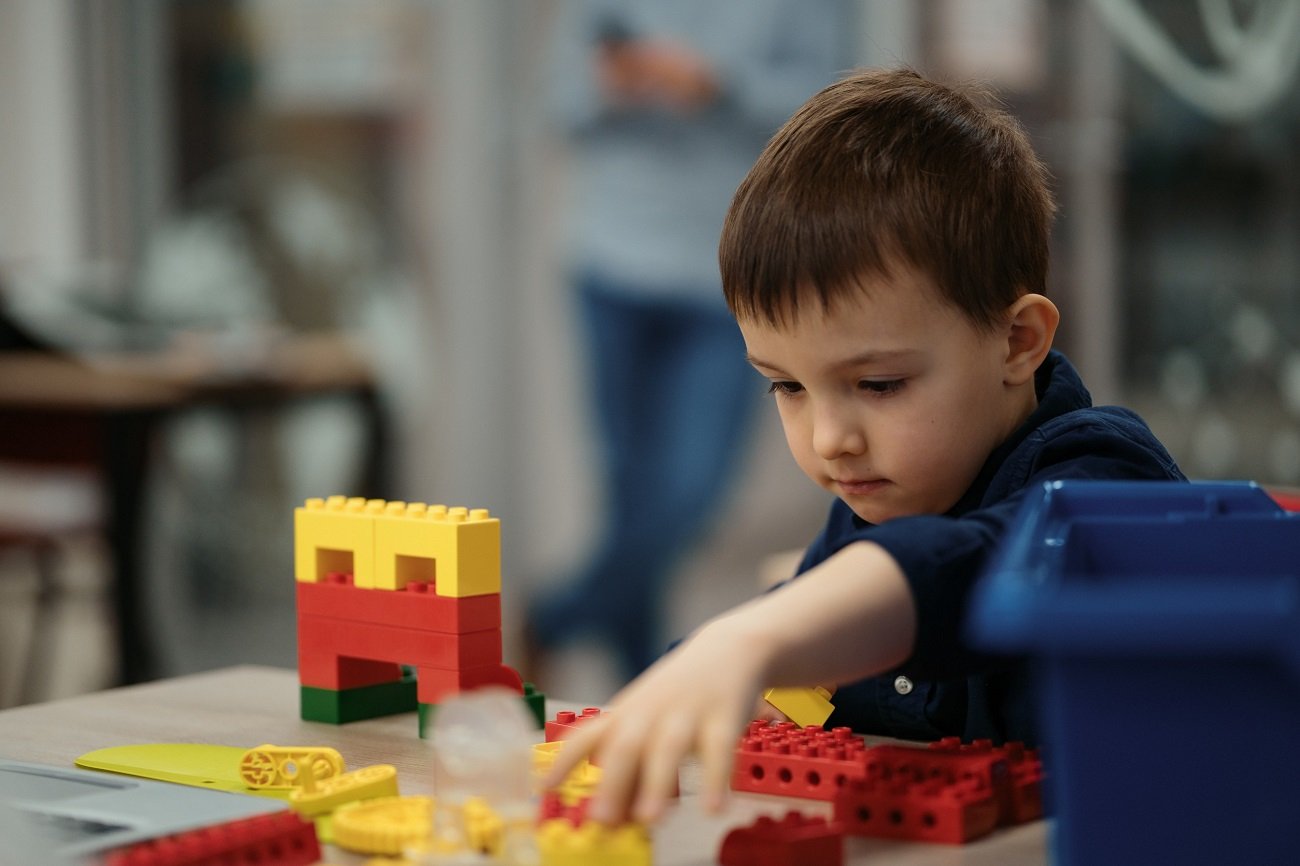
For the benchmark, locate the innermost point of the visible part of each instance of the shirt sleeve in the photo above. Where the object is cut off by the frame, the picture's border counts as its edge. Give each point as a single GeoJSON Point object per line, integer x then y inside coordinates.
{"type": "Point", "coordinates": [942, 556]}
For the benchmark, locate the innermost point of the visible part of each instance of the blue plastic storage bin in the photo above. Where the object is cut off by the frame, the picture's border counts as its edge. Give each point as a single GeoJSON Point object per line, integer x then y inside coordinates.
{"type": "Point", "coordinates": [1165, 621]}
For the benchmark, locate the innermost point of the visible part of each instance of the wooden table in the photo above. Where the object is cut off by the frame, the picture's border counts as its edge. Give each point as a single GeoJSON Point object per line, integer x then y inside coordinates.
{"type": "Point", "coordinates": [250, 705]}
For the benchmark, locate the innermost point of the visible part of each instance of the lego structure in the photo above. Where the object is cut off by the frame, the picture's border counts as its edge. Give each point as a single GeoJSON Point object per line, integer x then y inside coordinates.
{"type": "Point", "coordinates": [951, 792]}
{"type": "Point", "coordinates": [386, 585]}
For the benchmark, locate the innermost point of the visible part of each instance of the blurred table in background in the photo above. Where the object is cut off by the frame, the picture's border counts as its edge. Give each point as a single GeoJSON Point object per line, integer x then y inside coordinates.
{"type": "Point", "coordinates": [102, 413]}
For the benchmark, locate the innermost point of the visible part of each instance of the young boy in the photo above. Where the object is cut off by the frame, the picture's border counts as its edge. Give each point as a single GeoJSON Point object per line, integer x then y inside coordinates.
{"type": "Point", "coordinates": [885, 260]}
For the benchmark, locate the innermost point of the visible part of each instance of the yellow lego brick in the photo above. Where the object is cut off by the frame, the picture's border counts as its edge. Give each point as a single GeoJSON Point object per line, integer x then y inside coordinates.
{"type": "Point", "coordinates": [335, 535]}
{"type": "Point", "coordinates": [581, 781]}
{"type": "Point", "coordinates": [459, 549]}
{"type": "Point", "coordinates": [802, 706]}
{"type": "Point", "coordinates": [366, 783]}
{"type": "Point", "coordinates": [592, 844]}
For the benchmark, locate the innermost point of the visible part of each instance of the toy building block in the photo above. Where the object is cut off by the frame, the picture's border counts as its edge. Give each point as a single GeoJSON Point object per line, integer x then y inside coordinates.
{"type": "Point", "coordinates": [322, 640]}
{"type": "Point", "coordinates": [278, 839]}
{"type": "Point", "coordinates": [804, 707]}
{"type": "Point", "coordinates": [458, 549]}
{"type": "Point", "coordinates": [314, 797]}
{"type": "Point", "coordinates": [383, 826]}
{"type": "Point", "coordinates": [336, 596]}
{"type": "Point", "coordinates": [577, 786]}
{"type": "Point", "coordinates": [340, 706]}
{"type": "Point", "coordinates": [795, 840]}
{"type": "Point", "coordinates": [566, 721]}
{"type": "Point", "coordinates": [335, 535]}
{"type": "Point", "coordinates": [920, 810]}
{"type": "Point", "coordinates": [560, 843]}
{"type": "Point", "coordinates": [1014, 772]}
{"type": "Point", "coordinates": [281, 767]}
{"type": "Point", "coordinates": [784, 759]}
{"type": "Point", "coordinates": [535, 700]}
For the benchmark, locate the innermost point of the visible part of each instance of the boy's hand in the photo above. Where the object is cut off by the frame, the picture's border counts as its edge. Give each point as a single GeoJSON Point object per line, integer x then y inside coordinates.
{"type": "Point", "coordinates": [698, 699]}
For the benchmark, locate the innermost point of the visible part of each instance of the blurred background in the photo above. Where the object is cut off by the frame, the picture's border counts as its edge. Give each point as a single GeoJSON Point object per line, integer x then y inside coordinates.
{"type": "Point", "coordinates": [253, 251]}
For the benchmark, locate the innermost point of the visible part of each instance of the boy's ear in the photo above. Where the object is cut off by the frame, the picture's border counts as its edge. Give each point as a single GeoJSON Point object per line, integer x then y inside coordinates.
{"type": "Point", "coordinates": [1030, 332]}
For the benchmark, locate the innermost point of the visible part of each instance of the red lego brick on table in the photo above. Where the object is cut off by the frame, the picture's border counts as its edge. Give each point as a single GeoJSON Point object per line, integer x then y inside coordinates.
{"type": "Point", "coordinates": [918, 810]}
{"type": "Point", "coordinates": [336, 673]}
{"type": "Point", "coordinates": [415, 606]}
{"type": "Point", "coordinates": [1014, 772]}
{"type": "Point", "coordinates": [278, 839]}
{"type": "Point", "coordinates": [432, 685]}
{"type": "Point", "coordinates": [795, 840]}
{"type": "Point", "coordinates": [567, 721]}
{"type": "Point", "coordinates": [321, 641]}
{"type": "Point", "coordinates": [785, 759]}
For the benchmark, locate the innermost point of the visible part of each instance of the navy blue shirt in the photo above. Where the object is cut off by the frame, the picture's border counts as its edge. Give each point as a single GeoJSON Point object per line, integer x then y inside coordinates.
{"type": "Point", "coordinates": [947, 687]}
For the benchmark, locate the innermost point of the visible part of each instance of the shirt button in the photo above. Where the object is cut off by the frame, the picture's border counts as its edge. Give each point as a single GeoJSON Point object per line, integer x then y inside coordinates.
{"type": "Point", "coordinates": [903, 685]}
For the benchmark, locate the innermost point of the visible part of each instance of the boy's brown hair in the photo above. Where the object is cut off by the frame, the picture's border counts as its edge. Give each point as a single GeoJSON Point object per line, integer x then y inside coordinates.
{"type": "Point", "coordinates": [881, 168]}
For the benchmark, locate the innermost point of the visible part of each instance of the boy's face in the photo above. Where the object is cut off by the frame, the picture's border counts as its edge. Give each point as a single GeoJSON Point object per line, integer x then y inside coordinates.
{"type": "Point", "coordinates": [893, 399]}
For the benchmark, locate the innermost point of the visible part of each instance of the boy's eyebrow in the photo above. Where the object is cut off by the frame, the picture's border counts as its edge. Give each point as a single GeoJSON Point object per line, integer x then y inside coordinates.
{"type": "Point", "coordinates": [870, 356]}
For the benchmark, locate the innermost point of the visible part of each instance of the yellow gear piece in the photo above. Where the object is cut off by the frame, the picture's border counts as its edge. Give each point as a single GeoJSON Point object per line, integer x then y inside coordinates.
{"type": "Point", "coordinates": [802, 706]}
{"type": "Point", "coordinates": [383, 826]}
{"type": "Point", "coordinates": [269, 766]}
{"type": "Point", "coordinates": [592, 844]}
{"type": "Point", "coordinates": [366, 783]}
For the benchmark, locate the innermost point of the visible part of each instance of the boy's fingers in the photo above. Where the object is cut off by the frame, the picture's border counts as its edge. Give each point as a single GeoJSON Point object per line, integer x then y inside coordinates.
{"type": "Point", "coordinates": [717, 751]}
{"type": "Point", "coordinates": [620, 757]}
{"type": "Point", "coordinates": [659, 767]}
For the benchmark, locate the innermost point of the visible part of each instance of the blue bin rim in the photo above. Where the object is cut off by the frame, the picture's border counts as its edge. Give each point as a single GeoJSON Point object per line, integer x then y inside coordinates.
{"type": "Point", "coordinates": [1021, 605]}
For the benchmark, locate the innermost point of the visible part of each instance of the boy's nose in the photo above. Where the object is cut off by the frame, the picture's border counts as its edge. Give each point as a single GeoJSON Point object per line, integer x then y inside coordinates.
{"type": "Point", "coordinates": [836, 433]}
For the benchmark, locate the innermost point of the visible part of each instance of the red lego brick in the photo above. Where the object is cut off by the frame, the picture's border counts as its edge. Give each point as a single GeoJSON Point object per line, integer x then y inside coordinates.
{"type": "Point", "coordinates": [433, 685]}
{"type": "Point", "coordinates": [320, 640]}
{"type": "Point", "coordinates": [567, 721]}
{"type": "Point", "coordinates": [415, 606]}
{"type": "Point", "coordinates": [795, 840]}
{"type": "Point", "coordinates": [553, 806]}
{"type": "Point", "coordinates": [279, 839]}
{"type": "Point", "coordinates": [797, 762]}
{"type": "Point", "coordinates": [1014, 772]}
{"type": "Point", "coordinates": [918, 809]}
{"type": "Point", "coordinates": [338, 673]}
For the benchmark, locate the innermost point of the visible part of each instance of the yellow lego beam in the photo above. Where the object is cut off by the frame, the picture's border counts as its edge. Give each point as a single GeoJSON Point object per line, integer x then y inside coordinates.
{"type": "Point", "coordinates": [335, 535]}
{"type": "Point", "coordinates": [802, 706]}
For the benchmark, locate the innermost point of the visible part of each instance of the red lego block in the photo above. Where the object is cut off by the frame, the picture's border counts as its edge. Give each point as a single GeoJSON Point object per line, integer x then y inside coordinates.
{"type": "Point", "coordinates": [338, 673]}
{"type": "Point", "coordinates": [567, 721]}
{"type": "Point", "coordinates": [433, 685]}
{"type": "Point", "coordinates": [795, 840]}
{"type": "Point", "coordinates": [320, 640]}
{"type": "Point", "coordinates": [797, 762]}
{"type": "Point", "coordinates": [415, 606]}
{"type": "Point", "coordinates": [920, 810]}
{"type": "Point", "coordinates": [279, 839]}
{"type": "Point", "coordinates": [1013, 772]}
{"type": "Point", "coordinates": [553, 806]}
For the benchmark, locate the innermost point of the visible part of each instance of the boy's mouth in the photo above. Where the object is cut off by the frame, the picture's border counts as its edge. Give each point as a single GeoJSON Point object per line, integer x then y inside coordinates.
{"type": "Point", "coordinates": [860, 486]}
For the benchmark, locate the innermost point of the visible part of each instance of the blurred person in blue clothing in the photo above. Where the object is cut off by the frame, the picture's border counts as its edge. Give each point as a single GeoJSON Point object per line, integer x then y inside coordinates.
{"type": "Point", "coordinates": [665, 106]}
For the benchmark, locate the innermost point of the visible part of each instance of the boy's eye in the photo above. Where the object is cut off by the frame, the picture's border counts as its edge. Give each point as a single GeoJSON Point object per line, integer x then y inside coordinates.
{"type": "Point", "coordinates": [886, 386]}
{"type": "Point", "coordinates": [784, 387]}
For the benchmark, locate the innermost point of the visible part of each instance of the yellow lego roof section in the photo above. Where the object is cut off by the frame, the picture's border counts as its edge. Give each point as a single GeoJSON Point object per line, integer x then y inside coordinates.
{"type": "Point", "coordinates": [458, 548]}
{"type": "Point", "coordinates": [335, 534]}
{"type": "Point", "coordinates": [386, 545]}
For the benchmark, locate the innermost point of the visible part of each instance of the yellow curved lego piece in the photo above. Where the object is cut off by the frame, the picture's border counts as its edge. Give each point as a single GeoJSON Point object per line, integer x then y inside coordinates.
{"type": "Point", "coordinates": [592, 844]}
{"type": "Point", "coordinates": [383, 826]}
{"type": "Point", "coordinates": [366, 783]}
{"type": "Point", "coordinates": [269, 766]}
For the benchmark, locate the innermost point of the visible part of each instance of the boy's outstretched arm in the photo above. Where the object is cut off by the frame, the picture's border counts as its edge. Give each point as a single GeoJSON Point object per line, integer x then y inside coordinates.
{"type": "Point", "coordinates": [851, 616]}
